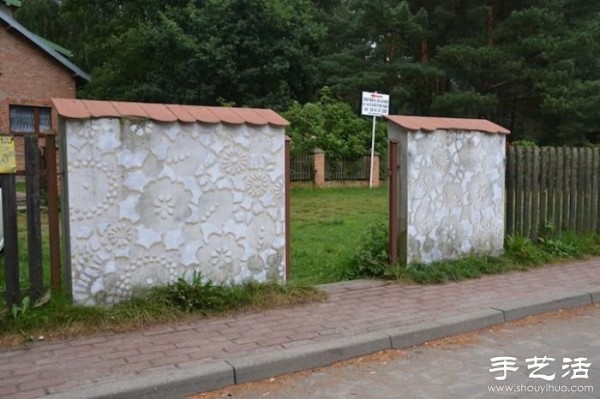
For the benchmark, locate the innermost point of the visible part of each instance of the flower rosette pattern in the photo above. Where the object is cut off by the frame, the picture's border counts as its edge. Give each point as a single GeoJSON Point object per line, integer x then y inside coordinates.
{"type": "Point", "coordinates": [164, 205]}
{"type": "Point", "coordinates": [117, 238]}
{"type": "Point", "coordinates": [93, 188]}
{"type": "Point", "coordinates": [234, 160]}
{"type": "Point", "coordinates": [223, 257]}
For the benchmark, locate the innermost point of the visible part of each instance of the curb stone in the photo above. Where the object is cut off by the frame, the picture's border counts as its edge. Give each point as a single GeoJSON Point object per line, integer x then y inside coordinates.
{"type": "Point", "coordinates": [173, 384]}
{"type": "Point", "coordinates": [518, 310]}
{"type": "Point", "coordinates": [252, 368]}
{"type": "Point", "coordinates": [423, 332]}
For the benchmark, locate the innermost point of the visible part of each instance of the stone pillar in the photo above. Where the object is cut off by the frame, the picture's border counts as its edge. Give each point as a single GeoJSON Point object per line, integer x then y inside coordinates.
{"type": "Point", "coordinates": [319, 165]}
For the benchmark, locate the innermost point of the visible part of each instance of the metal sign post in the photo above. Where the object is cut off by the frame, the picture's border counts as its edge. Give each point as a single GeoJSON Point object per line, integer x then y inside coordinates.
{"type": "Point", "coordinates": [374, 104]}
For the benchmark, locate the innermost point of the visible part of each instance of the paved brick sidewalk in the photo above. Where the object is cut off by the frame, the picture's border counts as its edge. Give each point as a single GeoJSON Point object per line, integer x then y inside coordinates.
{"type": "Point", "coordinates": [353, 308]}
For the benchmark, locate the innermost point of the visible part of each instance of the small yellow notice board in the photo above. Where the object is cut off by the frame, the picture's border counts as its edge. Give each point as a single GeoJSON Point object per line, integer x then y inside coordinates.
{"type": "Point", "coordinates": [8, 161]}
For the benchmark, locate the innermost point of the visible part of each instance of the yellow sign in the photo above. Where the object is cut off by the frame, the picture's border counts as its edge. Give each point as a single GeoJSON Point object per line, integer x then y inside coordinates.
{"type": "Point", "coordinates": [8, 161]}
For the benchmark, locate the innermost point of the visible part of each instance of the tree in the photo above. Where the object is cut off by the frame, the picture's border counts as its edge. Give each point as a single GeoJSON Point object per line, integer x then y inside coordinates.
{"type": "Point", "coordinates": [529, 65]}
{"type": "Point", "coordinates": [379, 50]}
{"type": "Point", "coordinates": [332, 126]}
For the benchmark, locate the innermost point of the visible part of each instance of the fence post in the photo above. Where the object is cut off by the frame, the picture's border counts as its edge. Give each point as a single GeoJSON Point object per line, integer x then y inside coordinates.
{"type": "Point", "coordinates": [11, 239]}
{"type": "Point", "coordinates": [393, 203]}
{"type": "Point", "coordinates": [510, 190]}
{"type": "Point", "coordinates": [34, 229]}
{"type": "Point", "coordinates": [319, 165]}
{"type": "Point", "coordinates": [53, 224]}
{"type": "Point", "coordinates": [287, 189]}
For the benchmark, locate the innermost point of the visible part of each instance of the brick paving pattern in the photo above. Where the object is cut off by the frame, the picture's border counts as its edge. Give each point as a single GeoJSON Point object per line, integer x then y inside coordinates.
{"type": "Point", "coordinates": [41, 368]}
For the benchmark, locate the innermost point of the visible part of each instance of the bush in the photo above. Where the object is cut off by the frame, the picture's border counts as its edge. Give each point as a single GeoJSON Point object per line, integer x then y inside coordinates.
{"type": "Point", "coordinates": [371, 257]}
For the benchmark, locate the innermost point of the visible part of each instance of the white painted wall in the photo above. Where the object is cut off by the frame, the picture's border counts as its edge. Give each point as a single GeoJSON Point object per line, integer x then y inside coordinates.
{"type": "Point", "coordinates": [453, 204]}
{"type": "Point", "coordinates": [151, 202]}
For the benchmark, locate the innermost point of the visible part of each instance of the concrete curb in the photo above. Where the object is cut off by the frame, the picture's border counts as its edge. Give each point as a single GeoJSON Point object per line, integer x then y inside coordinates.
{"type": "Point", "coordinates": [420, 333]}
{"type": "Point", "coordinates": [252, 368]}
{"type": "Point", "coordinates": [173, 384]}
{"type": "Point", "coordinates": [237, 370]}
{"type": "Point", "coordinates": [519, 310]}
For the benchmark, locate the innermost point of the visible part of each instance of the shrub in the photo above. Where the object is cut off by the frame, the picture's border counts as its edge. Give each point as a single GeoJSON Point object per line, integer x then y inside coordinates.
{"type": "Point", "coordinates": [371, 257]}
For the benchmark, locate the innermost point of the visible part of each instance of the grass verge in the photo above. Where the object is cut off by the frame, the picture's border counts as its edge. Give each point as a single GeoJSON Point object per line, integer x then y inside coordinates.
{"type": "Point", "coordinates": [183, 301]}
{"type": "Point", "coordinates": [370, 259]}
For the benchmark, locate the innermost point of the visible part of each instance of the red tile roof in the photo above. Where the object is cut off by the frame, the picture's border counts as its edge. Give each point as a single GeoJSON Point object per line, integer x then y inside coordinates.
{"type": "Point", "coordinates": [431, 124]}
{"type": "Point", "coordinates": [84, 109]}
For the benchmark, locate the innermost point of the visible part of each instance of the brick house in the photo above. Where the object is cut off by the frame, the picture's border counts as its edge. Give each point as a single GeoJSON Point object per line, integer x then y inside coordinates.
{"type": "Point", "coordinates": [32, 70]}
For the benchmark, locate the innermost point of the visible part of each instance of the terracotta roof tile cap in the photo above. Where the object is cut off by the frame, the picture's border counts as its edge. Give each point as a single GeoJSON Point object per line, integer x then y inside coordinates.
{"type": "Point", "coordinates": [427, 123]}
{"type": "Point", "coordinates": [83, 109]}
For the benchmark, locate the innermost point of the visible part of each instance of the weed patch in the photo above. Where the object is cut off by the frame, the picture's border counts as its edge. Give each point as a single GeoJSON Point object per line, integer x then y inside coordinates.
{"type": "Point", "coordinates": [371, 257]}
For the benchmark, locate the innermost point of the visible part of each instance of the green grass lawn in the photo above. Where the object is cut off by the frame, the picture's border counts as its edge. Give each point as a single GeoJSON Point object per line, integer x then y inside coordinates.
{"type": "Point", "coordinates": [327, 226]}
{"type": "Point", "coordinates": [23, 252]}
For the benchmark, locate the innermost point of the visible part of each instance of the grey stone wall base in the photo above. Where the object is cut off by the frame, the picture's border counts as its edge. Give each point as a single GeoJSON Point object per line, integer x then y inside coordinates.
{"type": "Point", "coordinates": [595, 297]}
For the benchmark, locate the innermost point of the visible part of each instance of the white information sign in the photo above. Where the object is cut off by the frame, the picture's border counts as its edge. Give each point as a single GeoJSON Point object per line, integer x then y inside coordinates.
{"type": "Point", "coordinates": [375, 104]}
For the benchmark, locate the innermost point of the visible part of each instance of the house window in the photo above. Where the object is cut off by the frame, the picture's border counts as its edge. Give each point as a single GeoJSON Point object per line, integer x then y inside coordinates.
{"type": "Point", "coordinates": [25, 119]}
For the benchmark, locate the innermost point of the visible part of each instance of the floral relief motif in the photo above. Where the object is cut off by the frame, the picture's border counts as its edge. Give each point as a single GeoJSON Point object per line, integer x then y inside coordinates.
{"type": "Point", "coordinates": [257, 184]}
{"type": "Point", "coordinates": [164, 205]}
{"type": "Point", "coordinates": [234, 160]}
{"type": "Point", "coordinates": [120, 236]}
{"type": "Point", "coordinates": [93, 200]}
{"type": "Point", "coordinates": [167, 200]}
{"type": "Point", "coordinates": [462, 210]}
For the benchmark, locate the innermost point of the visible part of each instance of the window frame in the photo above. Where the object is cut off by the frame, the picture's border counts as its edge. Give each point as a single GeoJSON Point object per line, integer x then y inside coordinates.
{"type": "Point", "coordinates": [36, 119]}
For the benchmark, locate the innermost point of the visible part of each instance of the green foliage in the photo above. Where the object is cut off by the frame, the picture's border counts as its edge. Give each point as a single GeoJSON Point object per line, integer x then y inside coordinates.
{"type": "Point", "coordinates": [523, 251]}
{"type": "Point", "coordinates": [558, 248]}
{"type": "Point", "coordinates": [260, 53]}
{"type": "Point", "coordinates": [532, 68]}
{"type": "Point", "coordinates": [452, 270]}
{"type": "Point", "coordinates": [524, 143]}
{"type": "Point", "coordinates": [195, 295]}
{"type": "Point", "coordinates": [372, 255]}
{"type": "Point", "coordinates": [332, 126]}
{"type": "Point", "coordinates": [19, 311]}
{"type": "Point", "coordinates": [371, 258]}
{"type": "Point", "coordinates": [184, 300]}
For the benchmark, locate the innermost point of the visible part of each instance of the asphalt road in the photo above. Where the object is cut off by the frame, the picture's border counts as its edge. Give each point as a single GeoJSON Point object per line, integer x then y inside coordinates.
{"type": "Point", "coordinates": [462, 366]}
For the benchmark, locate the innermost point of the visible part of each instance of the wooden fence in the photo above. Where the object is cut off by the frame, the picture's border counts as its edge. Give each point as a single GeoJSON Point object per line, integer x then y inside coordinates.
{"type": "Point", "coordinates": [556, 188]}
{"type": "Point", "coordinates": [34, 283]}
